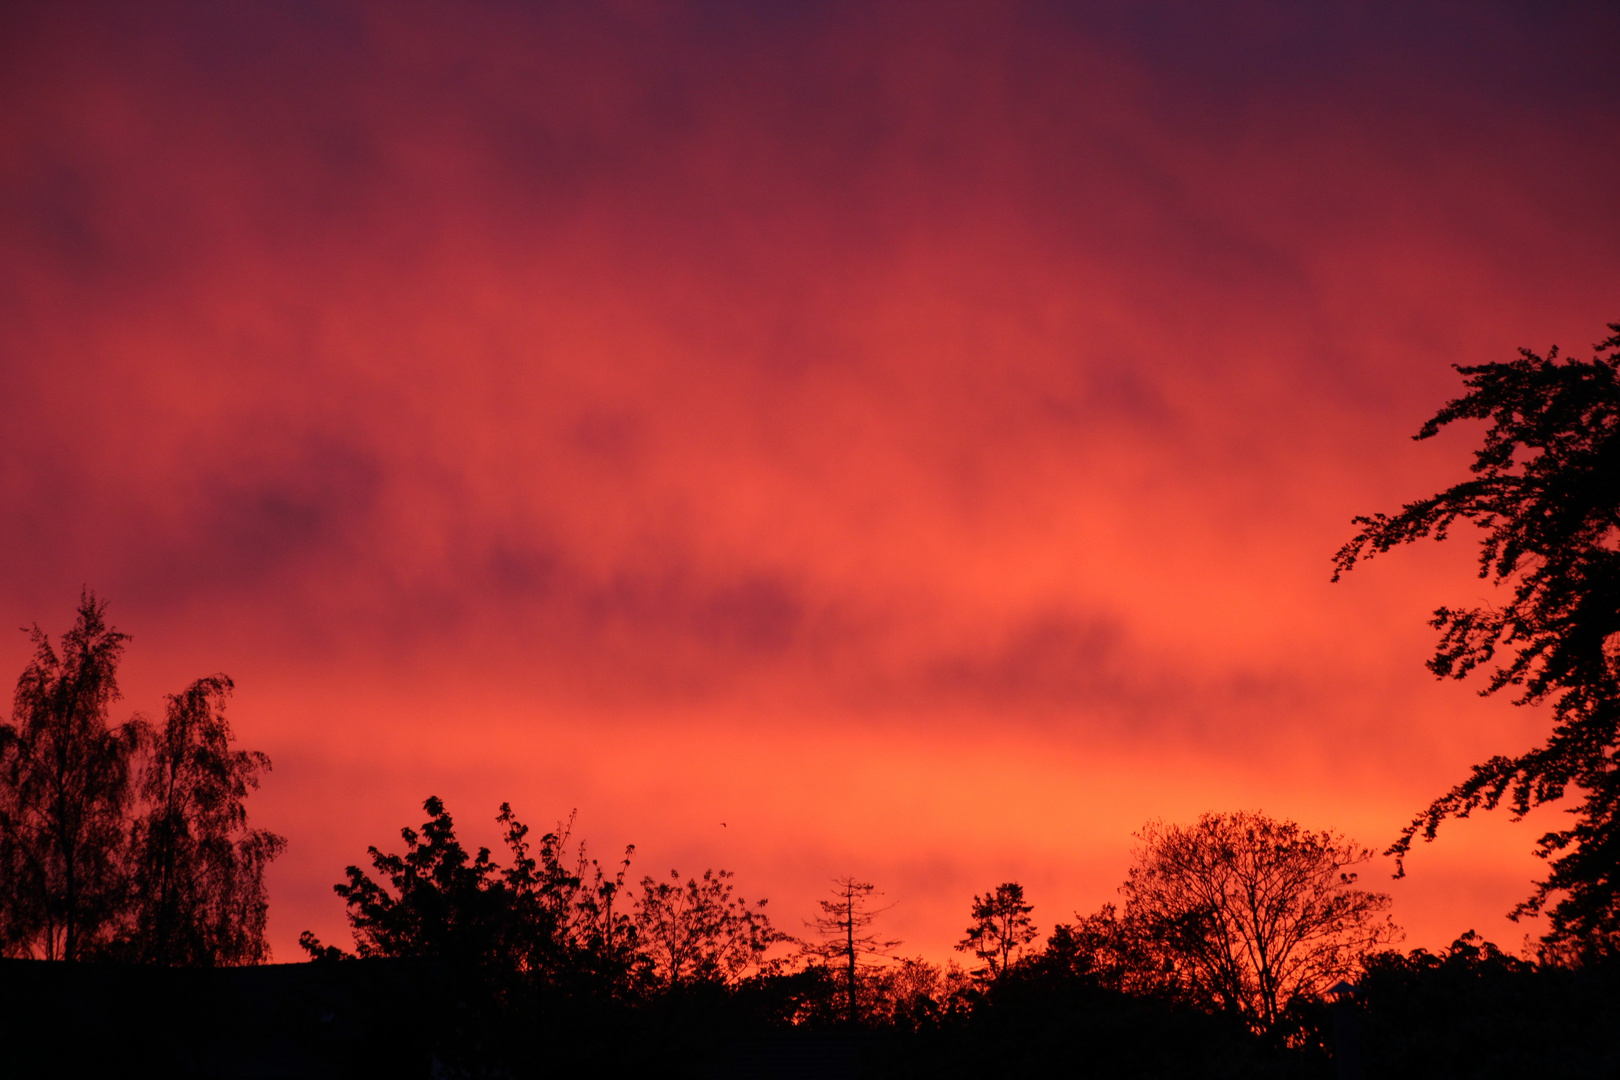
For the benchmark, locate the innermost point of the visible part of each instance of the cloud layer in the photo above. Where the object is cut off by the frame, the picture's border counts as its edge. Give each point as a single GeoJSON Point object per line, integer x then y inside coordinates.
{"type": "Point", "coordinates": [617, 404]}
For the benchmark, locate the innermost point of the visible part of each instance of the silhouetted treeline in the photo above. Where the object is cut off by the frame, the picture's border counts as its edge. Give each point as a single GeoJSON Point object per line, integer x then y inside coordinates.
{"type": "Point", "coordinates": [1241, 945]}
{"type": "Point", "coordinates": [1473, 1011]}
{"type": "Point", "coordinates": [544, 962]}
{"type": "Point", "coordinates": [1242, 948]}
{"type": "Point", "coordinates": [304, 1021]}
{"type": "Point", "coordinates": [1466, 1012]}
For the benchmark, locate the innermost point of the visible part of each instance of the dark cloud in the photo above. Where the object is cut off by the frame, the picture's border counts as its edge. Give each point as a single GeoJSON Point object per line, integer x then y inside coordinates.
{"type": "Point", "coordinates": [256, 522]}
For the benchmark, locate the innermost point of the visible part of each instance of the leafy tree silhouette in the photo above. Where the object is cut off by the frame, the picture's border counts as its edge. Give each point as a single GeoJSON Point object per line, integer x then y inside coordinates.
{"type": "Point", "coordinates": [1113, 953]}
{"type": "Point", "coordinates": [516, 957]}
{"type": "Point", "coordinates": [699, 932]}
{"type": "Point", "coordinates": [1242, 913]}
{"type": "Point", "coordinates": [568, 925]}
{"type": "Point", "coordinates": [443, 901]}
{"type": "Point", "coordinates": [914, 995]}
{"type": "Point", "coordinates": [1545, 493]}
{"type": "Point", "coordinates": [538, 920]}
{"type": "Point", "coordinates": [1000, 930]}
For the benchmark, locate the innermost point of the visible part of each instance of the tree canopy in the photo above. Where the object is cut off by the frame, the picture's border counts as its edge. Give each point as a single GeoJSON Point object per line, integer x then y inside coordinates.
{"type": "Point", "coordinates": [1000, 930]}
{"type": "Point", "coordinates": [1238, 913]}
{"type": "Point", "coordinates": [699, 932]}
{"type": "Point", "coordinates": [1545, 496]}
{"type": "Point", "coordinates": [547, 915]}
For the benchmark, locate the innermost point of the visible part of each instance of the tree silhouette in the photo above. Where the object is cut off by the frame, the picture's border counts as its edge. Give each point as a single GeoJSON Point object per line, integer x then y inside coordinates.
{"type": "Point", "coordinates": [914, 994]}
{"type": "Point", "coordinates": [565, 906]}
{"type": "Point", "coordinates": [442, 902]}
{"type": "Point", "coordinates": [845, 929]}
{"type": "Point", "coordinates": [196, 869]}
{"type": "Point", "coordinates": [1243, 913]}
{"type": "Point", "coordinates": [1001, 928]}
{"type": "Point", "coordinates": [699, 932]}
{"type": "Point", "coordinates": [539, 919]}
{"type": "Point", "coordinates": [1545, 493]}
{"type": "Point", "coordinates": [1114, 953]}
{"type": "Point", "coordinates": [97, 860]}
{"type": "Point", "coordinates": [64, 793]}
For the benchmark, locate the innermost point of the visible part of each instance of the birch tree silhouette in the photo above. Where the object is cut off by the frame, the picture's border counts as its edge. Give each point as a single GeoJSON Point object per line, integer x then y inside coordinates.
{"type": "Point", "coordinates": [196, 869]}
{"type": "Point", "coordinates": [64, 794]}
{"type": "Point", "coordinates": [127, 841]}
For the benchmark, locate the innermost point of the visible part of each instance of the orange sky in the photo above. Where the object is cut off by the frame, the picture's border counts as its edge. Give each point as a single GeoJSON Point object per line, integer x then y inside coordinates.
{"type": "Point", "coordinates": [916, 442]}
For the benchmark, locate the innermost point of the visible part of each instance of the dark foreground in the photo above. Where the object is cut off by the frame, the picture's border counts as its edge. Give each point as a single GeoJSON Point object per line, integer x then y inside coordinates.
{"type": "Point", "coordinates": [1451, 1016]}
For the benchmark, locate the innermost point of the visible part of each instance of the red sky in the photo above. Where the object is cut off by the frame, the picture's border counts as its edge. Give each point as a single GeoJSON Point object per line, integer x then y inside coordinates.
{"type": "Point", "coordinates": [914, 437]}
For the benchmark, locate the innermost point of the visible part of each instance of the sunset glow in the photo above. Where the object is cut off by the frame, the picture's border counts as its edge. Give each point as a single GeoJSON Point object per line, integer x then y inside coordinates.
{"type": "Point", "coordinates": [809, 440]}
